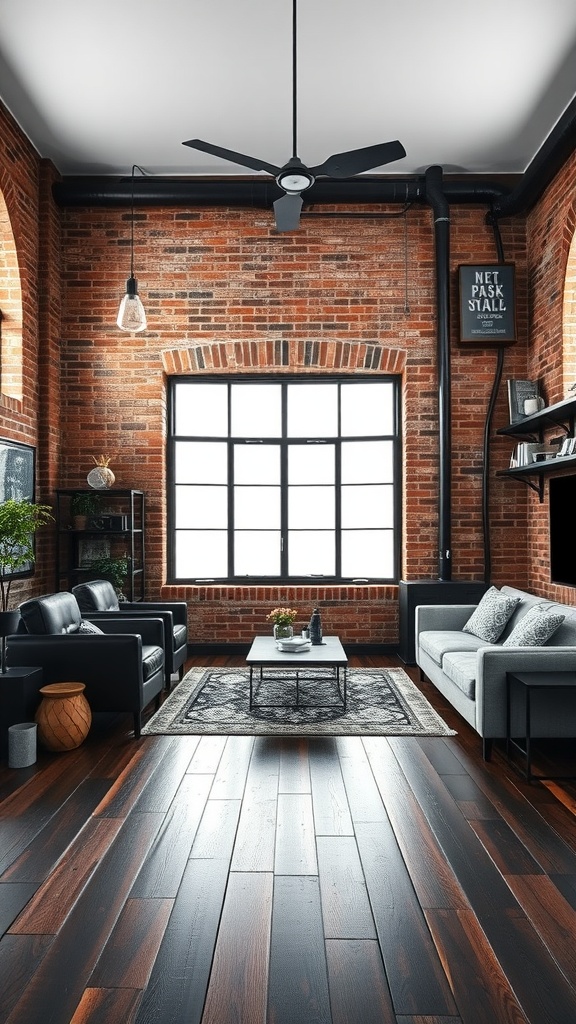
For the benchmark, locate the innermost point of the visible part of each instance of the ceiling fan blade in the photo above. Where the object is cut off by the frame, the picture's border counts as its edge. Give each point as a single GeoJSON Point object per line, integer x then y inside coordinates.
{"type": "Point", "coordinates": [344, 165]}
{"type": "Point", "coordinates": [229, 154]}
{"type": "Point", "coordinates": [287, 212]}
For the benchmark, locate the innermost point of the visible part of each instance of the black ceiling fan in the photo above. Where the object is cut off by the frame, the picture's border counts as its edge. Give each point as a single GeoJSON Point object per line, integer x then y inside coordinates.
{"type": "Point", "coordinates": [294, 177]}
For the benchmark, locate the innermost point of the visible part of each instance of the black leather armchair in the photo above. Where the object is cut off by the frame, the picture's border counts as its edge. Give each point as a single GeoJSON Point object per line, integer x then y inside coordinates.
{"type": "Point", "coordinates": [122, 665]}
{"type": "Point", "coordinates": [98, 597]}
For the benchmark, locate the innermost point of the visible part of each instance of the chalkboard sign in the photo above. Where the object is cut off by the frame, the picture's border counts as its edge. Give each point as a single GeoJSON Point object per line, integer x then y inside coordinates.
{"type": "Point", "coordinates": [487, 304]}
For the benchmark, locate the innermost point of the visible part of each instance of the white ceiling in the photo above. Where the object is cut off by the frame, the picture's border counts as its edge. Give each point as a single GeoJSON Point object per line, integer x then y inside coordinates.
{"type": "Point", "coordinates": [99, 85]}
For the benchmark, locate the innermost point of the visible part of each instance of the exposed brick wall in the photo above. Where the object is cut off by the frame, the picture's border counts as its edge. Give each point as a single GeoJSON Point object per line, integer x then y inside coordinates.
{"type": "Point", "coordinates": [552, 350]}
{"type": "Point", "coordinates": [30, 369]}
{"type": "Point", "coordinates": [225, 293]}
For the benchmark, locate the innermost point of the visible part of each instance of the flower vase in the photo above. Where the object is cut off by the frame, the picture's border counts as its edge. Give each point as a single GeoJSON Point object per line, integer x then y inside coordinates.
{"type": "Point", "coordinates": [283, 631]}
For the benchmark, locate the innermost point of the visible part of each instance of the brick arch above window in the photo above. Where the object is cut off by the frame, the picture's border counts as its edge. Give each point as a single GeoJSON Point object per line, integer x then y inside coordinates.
{"type": "Point", "coordinates": [289, 355]}
{"type": "Point", "coordinates": [569, 321]}
{"type": "Point", "coordinates": [11, 308]}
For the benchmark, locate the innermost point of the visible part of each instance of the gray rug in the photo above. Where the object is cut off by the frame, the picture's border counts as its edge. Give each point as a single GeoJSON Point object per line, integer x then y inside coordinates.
{"type": "Point", "coordinates": [381, 702]}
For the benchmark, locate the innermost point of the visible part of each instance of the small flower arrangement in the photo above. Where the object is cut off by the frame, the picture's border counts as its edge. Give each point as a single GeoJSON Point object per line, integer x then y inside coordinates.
{"type": "Point", "coordinates": [282, 616]}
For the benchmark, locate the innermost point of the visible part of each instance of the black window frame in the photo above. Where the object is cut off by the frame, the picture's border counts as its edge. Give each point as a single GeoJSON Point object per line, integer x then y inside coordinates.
{"type": "Point", "coordinates": [284, 443]}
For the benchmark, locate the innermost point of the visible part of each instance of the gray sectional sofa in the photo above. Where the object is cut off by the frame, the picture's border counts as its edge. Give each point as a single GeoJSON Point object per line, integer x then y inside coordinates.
{"type": "Point", "coordinates": [471, 673]}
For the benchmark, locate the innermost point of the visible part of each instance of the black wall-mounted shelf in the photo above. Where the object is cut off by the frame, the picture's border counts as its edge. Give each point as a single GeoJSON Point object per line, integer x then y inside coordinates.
{"type": "Point", "coordinates": [562, 414]}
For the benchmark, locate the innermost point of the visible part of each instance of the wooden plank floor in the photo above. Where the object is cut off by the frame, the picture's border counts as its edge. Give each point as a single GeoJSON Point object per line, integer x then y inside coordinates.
{"type": "Point", "coordinates": [265, 880]}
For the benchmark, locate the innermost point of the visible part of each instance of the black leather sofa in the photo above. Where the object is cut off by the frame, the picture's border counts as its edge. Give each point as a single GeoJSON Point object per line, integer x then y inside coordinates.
{"type": "Point", "coordinates": [98, 597]}
{"type": "Point", "coordinates": [121, 661]}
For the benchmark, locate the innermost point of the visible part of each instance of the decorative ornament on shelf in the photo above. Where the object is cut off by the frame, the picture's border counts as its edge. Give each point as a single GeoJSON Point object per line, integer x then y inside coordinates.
{"type": "Point", "coordinates": [283, 619]}
{"type": "Point", "coordinates": [101, 477]}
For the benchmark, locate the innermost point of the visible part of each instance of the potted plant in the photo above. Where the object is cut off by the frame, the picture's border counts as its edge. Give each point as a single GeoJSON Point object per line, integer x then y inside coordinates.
{"type": "Point", "coordinates": [114, 569]}
{"type": "Point", "coordinates": [82, 505]}
{"type": "Point", "coordinates": [19, 520]}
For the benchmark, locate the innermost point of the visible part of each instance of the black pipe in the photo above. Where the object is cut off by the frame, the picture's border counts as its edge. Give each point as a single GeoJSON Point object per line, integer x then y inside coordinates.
{"type": "Point", "coordinates": [436, 198]}
{"type": "Point", "coordinates": [261, 192]}
{"type": "Point", "coordinates": [549, 159]}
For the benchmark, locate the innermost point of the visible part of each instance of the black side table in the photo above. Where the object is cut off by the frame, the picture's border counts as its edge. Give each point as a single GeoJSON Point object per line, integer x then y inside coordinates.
{"type": "Point", "coordinates": [532, 681]}
{"type": "Point", "coordinates": [19, 697]}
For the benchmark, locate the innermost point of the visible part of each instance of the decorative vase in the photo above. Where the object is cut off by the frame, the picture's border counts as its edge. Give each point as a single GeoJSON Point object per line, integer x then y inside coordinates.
{"type": "Point", "coordinates": [283, 630]}
{"type": "Point", "coordinates": [315, 628]}
{"type": "Point", "coordinates": [101, 477]}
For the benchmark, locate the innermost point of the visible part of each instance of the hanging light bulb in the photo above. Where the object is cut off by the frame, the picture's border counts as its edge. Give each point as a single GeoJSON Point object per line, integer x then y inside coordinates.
{"type": "Point", "coordinates": [131, 316]}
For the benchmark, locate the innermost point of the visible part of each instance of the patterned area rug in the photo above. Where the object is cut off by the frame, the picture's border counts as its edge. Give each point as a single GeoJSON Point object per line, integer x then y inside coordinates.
{"type": "Point", "coordinates": [380, 702]}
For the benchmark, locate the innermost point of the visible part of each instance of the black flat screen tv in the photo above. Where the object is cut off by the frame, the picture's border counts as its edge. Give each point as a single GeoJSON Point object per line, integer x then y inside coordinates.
{"type": "Point", "coordinates": [562, 508]}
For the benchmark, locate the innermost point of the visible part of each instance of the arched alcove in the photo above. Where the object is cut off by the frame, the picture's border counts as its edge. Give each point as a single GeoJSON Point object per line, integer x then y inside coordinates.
{"type": "Point", "coordinates": [569, 322]}
{"type": "Point", "coordinates": [11, 308]}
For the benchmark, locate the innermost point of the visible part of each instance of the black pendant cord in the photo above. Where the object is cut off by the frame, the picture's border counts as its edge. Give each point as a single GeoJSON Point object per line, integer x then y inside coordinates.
{"type": "Point", "coordinates": [132, 225]}
{"type": "Point", "coordinates": [294, 82]}
{"type": "Point", "coordinates": [487, 429]}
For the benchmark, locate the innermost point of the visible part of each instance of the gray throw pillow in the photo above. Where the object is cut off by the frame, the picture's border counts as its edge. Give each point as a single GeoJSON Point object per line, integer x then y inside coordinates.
{"type": "Point", "coordinates": [535, 628]}
{"type": "Point", "coordinates": [490, 617]}
{"type": "Point", "coordinates": [88, 627]}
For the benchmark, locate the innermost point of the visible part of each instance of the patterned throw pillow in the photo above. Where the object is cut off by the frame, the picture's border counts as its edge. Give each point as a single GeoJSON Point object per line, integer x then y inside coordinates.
{"type": "Point", "coordinates": [88, 627]}
{"type": "Point", "coordinates": [491, 615]}
{"type": "Point", "coordinates": [535, 628]}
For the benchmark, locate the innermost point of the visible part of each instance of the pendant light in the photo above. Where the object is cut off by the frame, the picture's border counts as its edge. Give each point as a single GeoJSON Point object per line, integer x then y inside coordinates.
{"type": "Point", "coordinates": [131, 315]}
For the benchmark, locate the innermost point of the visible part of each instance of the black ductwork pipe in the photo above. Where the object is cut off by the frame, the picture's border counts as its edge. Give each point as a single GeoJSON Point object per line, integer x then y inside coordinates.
{"type": "Point", "coordinates": [437, 200]}
{"type": "Point", "coordinates": [551, 156]}
{"type": "Point", "coordinates": [261, 192]}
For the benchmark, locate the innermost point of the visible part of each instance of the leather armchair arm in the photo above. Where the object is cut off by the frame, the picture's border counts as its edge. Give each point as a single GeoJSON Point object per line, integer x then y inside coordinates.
{"type": "Point", "coordinates": [178, 609]}
{"type": "Point", "coordinates": [110, 666]}
{"type": "Point", "coordinates": [150, 629]}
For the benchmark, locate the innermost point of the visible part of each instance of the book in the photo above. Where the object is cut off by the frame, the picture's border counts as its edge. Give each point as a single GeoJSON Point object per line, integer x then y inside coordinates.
{"type": "Point", "coordinates": [518, 392]}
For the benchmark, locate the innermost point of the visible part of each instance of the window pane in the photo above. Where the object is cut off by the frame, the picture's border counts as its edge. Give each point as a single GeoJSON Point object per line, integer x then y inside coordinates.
{"type": "Point", "coordinates": [201, 554]}
{"type": "Point", "coordinates": [311, 464]}
{"type": "Point", "coordinates": [312, 410]}
{"type": "Point", "coordinates": [256, 553]}
{"type": "Point", "coordinates": [198, 507]}
{"type": "Point", "coordinates": [201, 409]}
{"type": "Point", "coordinates": [367, 462]}
{"type": "Point", "coordinates": [311, 553]}
{"type": "Point", "coordinates": [367, 506]}
{"type": "Point", "coordinates": [311, 507]}
{"type": "Point", "coordinates": [367, 409]}
{"type": "Point", "coordinates": [368, 554]}
{"type": "Point", "coordinates": [200, 462]}
{"type": "Point", "coordinates": [256, 508]}
{"type": "Point", "coordinates": [256, 464]}
{"type": "Point", "coordinates": [256, 410]}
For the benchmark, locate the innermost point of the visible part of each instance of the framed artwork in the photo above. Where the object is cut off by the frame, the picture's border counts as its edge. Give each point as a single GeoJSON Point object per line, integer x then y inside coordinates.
{"type": "Point", "coordinates": [17, 480]}
{"type": "Point", "coordinates": [91, 548]}
{"type": "Point", "coordinates": [487, 304]}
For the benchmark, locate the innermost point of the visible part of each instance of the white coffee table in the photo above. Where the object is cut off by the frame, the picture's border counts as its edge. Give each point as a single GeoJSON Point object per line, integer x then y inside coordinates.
{"type": "Point", "coordinates": [330, 654]}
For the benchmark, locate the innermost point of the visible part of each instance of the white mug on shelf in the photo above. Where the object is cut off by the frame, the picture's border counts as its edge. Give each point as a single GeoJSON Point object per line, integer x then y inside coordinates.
{"type": "Point", "coordinates": [532, 405]}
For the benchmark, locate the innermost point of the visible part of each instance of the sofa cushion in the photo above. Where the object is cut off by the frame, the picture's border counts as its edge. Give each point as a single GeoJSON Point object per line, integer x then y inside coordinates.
{"type": "Point", "coordinates": [460, 668]}
{"type": "Point", "coordinates": [436, 642]}
{"type": "Point", "coordinates": [535, 628]}
{"type": "Point", "coordinates": [490, 617]}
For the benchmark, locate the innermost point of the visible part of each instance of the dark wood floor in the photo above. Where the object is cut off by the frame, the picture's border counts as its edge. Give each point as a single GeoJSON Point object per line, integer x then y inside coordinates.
{"type": "Point", "coordinates": [240, 880]}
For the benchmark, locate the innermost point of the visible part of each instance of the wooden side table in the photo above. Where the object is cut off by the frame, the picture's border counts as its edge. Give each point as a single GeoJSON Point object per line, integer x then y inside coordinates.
{"type": "Point", "coordinates": [64, 716]}
{"type": "Point", "coordinates": [530, 682]}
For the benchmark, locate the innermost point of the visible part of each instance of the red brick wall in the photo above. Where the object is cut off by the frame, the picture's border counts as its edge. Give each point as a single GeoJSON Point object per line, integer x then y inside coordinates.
{"type": "Point", "coordinates": [30, 301]}
{"type": "Point", "coordinates": [224, 292]}
{"type": "Point", "coordinates": [552, 356]}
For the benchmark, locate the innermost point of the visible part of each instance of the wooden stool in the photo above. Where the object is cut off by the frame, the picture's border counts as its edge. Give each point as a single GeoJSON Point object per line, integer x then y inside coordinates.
{"type": "Point", "coordinates": [64, 716]}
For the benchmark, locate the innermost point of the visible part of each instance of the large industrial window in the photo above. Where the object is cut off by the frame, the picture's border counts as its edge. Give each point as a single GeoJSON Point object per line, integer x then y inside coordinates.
{"type": "Point", "coordinates": [284, 479]}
